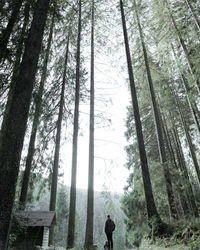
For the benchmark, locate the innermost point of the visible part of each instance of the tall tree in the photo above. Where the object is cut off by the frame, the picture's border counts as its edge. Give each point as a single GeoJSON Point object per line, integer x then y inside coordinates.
{"type": "Point", "coordinates": [31, 148]}
{"type": "Point", "coordinates": [158, 127]}
{"type": "Point", "coordinates": [5, 34]}
{"type": "Point", "coordinates": [18, 56]}
{"type": "Point", "coordinates": [54, 182]}
{"type": "Point", "coordinates": [151, 208]}
{"type": "Point", "coordinates": [72, 205]}
{"type": "Point", "coordinates": [90, 198]}
{"type": "Point", "coordinates": [13, 136]}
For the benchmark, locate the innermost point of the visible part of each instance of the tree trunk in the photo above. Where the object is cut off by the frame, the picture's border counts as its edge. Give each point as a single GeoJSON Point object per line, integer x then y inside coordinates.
{"type": "Point", "coordinates": [16, 64]}
{"type": "Point", "coordinates": [157, 122]}
{"type": "Point", "coordinates": [90, 200]}
{"type": "Point", "coordinates": [13, 136]}
{"type": "Point", "coordinates": [52, 205]}
{"type": "Point", "coordinates": [72, 206]}
{"type": "Point", "coordinates": [151, 208]}
{"type": "Point", "coordinates": [31, 148]}
{"type": "Point", "coordinates": [5, 35]}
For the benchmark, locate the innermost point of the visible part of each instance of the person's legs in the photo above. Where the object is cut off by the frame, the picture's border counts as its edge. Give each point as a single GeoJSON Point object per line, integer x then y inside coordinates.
{"type": "Point", "coordinates": [110, 241]}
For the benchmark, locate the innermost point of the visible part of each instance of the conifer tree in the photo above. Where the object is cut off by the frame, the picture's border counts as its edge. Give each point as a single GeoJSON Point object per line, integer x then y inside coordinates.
{"type": "Point", "coordinates": [160, 139]}
{"type": "Point", "coordinates": [72, 205]}
{"type": "Point", "coordinates": [54, 182]}
{"type": "Point", "coordinates": [90, 198]}
{"type": "Point", "coordinates": [31, 148]}
{"type": "Point", "coordinates": [151, 208]}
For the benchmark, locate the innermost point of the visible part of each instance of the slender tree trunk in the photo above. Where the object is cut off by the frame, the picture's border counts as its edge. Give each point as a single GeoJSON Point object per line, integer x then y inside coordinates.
{"type": "Point", "coordinates": [52, 206]}
{"type": "Point", "coordinates": [16, 64]}
{"type": "Point", "coordinates": [31, 148]}
{"type": "Point", "coordinates": [5, 34]}
{"type": "Point", "coordinates": [90, 200]}
{"type": "Point", "coordinates": [157, 122]}
{"type": "Point", "coordinates": [151, 208]}
{"type": "Point", "coordinates": [197, 22]}
{"type": "Point", "coordinates": [13, 136]}
{"type": "Point", "coordinates": [188, 57]}
{"type": "Point", "coordinates": [72, 206]}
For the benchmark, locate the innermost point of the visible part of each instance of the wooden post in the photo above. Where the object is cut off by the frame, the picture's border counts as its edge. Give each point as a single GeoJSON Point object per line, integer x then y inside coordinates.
{"type": "Point", "coordinates": [45, 240]}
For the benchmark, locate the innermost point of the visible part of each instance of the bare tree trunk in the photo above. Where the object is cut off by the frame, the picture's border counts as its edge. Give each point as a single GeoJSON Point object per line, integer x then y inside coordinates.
{"type": "Point", "coordinates": [13, 136]}
{"type": "Point", "coordinates": [90, 200]}
{"type": "Point", "coordinates": [72, 206]}
{"type": "Point", "coordinates": [52, 206]}
{"type": "Point", "coordinates": [151, 208]}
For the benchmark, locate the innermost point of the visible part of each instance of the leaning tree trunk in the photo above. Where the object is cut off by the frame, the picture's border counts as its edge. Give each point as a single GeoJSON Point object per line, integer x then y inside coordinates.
{"type": "Point", "coordinates": [13, 136]}
{"type": "Point", "coordinates": [90, 200]}
{"type": "Point", "coordinates": [151, 208]}
{"type": "Point", "coordinates": [18, 56]}
{"type": "Point", "coordinates": [72, 206]}
{"type": "Point", "coordinates": [31, 148]}
{"type": "Point", "coordinates": [157, 122]}
{"type": "Point", "coordinates": [5, 35]}
{"type": "Point", "coordinates": [54, 182]}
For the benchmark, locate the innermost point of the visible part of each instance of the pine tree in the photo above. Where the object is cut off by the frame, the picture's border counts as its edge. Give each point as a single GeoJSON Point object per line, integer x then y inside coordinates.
{"type": "Point", "coordinates": [31, 148]}
{"type": "Point", "coordinates": [151, 208]}
{"type": "Point", "coordinates": [90, 200]}
{"type": "Point", "coordinates": [160, 139]}
{"type": "Point", "coordinates": [52, 205]}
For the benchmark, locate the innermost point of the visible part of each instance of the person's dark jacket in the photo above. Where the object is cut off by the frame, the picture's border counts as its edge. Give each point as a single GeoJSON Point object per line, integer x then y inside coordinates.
{"type": "Point", "coordinates": [109, 226]}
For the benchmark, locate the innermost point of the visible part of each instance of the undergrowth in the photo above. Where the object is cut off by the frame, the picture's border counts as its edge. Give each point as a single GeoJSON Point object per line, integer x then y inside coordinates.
{"type": "Point", "coordinates": [185, 234]}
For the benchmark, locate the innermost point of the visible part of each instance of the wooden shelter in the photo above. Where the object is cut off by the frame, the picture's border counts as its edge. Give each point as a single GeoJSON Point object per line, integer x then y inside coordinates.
{"type": "Point", "coordinates": [36, 233]}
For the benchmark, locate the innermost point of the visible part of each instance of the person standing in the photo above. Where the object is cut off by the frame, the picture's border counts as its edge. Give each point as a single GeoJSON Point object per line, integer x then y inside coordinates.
{"type": "Point", "coordinates": [109, 228]}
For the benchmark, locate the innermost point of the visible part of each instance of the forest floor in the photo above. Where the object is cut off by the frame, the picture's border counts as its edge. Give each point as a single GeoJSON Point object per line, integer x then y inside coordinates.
{"type": "Point", "coordinates": [147, 246]}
